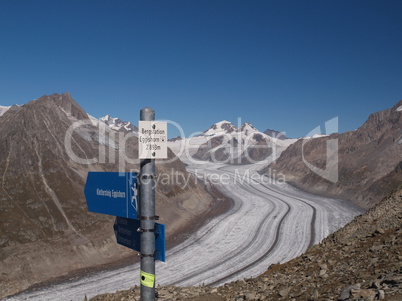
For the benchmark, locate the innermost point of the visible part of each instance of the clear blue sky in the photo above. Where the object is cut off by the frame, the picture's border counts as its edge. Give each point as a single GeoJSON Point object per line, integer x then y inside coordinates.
{"type": "Point", "coordinates": [286, 65]}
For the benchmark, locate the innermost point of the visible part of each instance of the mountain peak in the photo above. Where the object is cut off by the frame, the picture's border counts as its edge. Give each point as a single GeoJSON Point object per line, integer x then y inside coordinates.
{"type": "Point", "coordinates": [220, 128]}
{"type": "Point", "coordinates": [222, 123]}
{"type": "Point", "coordinates": [118, 125]}
{"type": "Point", "coordinates": [65, 102]}
{"type": "Point", "coordinates": [275, 134]}
{"type": "Point", "coordinates": [247, 125]}
{"type": "Point", "coordinates": [247, 128]}
{"type": "Point", "coordinates": [398, 106]}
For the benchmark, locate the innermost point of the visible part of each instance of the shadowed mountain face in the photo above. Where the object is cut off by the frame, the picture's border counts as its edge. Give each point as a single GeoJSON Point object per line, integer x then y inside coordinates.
{"type": "Point", "coordinates": [275, 134]}
{"type": "Point", "coordinates": [370, 160]}
{"type": "Point", "coordinates": [46, 229]}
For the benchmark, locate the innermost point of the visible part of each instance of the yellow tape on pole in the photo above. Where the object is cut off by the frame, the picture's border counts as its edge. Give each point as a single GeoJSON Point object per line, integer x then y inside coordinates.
{"type": "Point", "coordinates": [147, 279]}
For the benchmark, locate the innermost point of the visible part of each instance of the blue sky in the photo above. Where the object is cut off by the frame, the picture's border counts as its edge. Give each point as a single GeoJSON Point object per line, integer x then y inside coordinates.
{"type": "Point", "coordinates": [286, 65]}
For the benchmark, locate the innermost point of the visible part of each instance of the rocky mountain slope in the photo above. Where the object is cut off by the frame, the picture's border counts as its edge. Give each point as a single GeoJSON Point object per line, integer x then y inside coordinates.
{"type": "Point", "coordinates": [224, 143]}
{"type": "Point", "coordinates": [46, 230]}
{"type": "Point", "coordinates": [362, 261]}
{"type": "Point", "coordinates": [370, 160]}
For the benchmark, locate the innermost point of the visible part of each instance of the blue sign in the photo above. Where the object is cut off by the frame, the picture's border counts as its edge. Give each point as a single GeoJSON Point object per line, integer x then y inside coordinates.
{"type": "Point", "coordinates": [113, 193]}
{"type": "Point", "coordinates": [160, 242]}
{"type": "Point", "coordinates": [127, 234]}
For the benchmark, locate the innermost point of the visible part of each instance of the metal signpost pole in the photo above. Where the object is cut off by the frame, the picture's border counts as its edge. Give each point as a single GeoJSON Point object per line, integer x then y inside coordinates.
{"type": "Point", "coordinates": [147, 220]}
{"type": "Point", "coordinates": [113, 194]}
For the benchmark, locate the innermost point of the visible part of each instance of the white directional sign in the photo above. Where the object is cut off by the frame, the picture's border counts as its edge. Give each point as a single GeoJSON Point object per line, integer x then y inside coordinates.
{"type": "Point", "coordinates": [152, 139]}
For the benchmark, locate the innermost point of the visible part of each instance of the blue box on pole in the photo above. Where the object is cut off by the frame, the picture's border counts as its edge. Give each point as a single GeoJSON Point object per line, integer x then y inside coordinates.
{"type": "Point", "coordinates": [126, 231]}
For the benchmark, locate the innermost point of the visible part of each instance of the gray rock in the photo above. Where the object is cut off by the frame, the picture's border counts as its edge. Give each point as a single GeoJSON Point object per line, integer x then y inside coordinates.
{"type": "Point", "coordinates": [324, 266]}
{"type": "Point", "coordinates": [345, 294]}
{"type": "Point", "coordinates": [285, 292]}
{"type": "Point", "coordinates": [250, 296]}
{"type": "Point", "coordinates": [376, 284]}
{"type": "Point", "coordinates": [366, 294]}
{"type": "Point", "coordinates": [376, 248]}
{"type": "Point", "coordinates": [315, 294]}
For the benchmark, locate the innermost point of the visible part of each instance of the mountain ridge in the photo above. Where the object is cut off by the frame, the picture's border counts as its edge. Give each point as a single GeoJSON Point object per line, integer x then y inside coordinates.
{"type": "Point", "coordinates": [243, 145]}
{"type": "Point", "coordinates": [276, 134]}
{"type": "Point", "coordinates": [119, 125]}
{"type": "Point", "coordinates": [369, 159]}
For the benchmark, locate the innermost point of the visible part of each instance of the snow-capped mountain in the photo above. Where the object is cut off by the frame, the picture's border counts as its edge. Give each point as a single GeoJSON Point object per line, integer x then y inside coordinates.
{"type": "Point", "coordinates": [223, 142]}
{"type": "Point", "coordinates": [119, 125]}
{"type": "Point", "coordinates": [225, 127]}
{"type": "Point", "coordinates": [246, 132]}
{"type": "Point", "coordinates": [3, 110]}
{"type": "Point", "coordinates": [220, 128]}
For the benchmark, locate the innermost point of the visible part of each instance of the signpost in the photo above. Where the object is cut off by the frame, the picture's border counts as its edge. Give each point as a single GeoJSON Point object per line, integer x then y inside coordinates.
{"type": "Point", "coordinates": [149, 148]}
{"type": "Point", "coordinates": [152, 137]}
{"type": "Point", "coordinates": [116, 193]}
{"type": "Point", "coordinates": [127, 232]}
{"type": "Point", "coordinates": [113, 193]}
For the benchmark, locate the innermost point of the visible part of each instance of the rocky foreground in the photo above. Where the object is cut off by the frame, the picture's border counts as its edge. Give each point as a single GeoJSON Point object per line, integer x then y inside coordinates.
{"type": "Point", "coordinates": [362, 261]}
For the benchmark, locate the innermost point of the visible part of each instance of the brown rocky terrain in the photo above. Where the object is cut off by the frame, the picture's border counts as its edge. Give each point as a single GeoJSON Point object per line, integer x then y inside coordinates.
{"type": "Point", "coordinates": [362, 261]}
{"type": "Point", "coordinates": [46, 230]}
{"type": "Point", "coordinates": [370, 160]}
